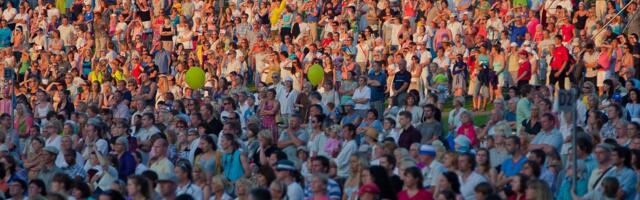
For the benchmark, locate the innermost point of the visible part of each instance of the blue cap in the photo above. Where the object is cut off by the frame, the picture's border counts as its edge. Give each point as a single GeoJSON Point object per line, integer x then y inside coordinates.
{"type": "Point", "coordinates": [285, 165]}
{"type": "Point", "coordinates": [427, 149]}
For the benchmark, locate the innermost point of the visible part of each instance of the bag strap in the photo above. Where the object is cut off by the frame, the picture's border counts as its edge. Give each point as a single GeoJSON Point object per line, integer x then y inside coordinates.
{"type": "Point", "coordinates": [600, 178]}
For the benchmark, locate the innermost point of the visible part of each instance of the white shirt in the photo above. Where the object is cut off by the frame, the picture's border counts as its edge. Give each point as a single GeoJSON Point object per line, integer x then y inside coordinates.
{"type": "Point", "coordinates": [362, 93]}
{"type": "Point", "coordinates": [468, 185]}
{"type": "Point", "coordinates": [9, 13]}
{"type": "Point", "coordinates": [294, 191]}
{"type": "Point", "coordinates": [287, 101]}
{"type": "Point", "coordinates": [190, 189]}
{"type": "Point", "coordinates": [145, 133]}
{"type": "Point", "coordinates": [342, 161]}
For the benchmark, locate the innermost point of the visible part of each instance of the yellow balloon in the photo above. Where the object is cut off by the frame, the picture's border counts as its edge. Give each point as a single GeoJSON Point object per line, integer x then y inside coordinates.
{"type": "Point", "coordinates": [195, 78]}
{"type": "Point", "coordinates": [315, 74]}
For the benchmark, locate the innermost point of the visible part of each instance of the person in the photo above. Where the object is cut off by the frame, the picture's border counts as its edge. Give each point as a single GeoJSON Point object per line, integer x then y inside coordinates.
{"type": "Point", "coordinates": [138, 188]}
{"type": "Point", "coordinates": [234, 162]}
{"type": "Point", "coordinates": [431, 128]}
{"type": "Point", "coordinates": [286, 173]}
{"type": "Point", "coordinates": [432, 167]}
{"type": "Point", "coordinates": [168, 186]}
{"type": "Point", "coordinates": [348, 149]}
{"type": "Point", "coordinates": [469, 179]}
{"type": "Point", "coordinates": [538, 189]}
{"type": "Point", "coordinates": [183, 171]}
{"type": "Point", "coordinates": [413, 184]}
{"type": "Point", "coordinates": [160, 163]}
{"type": "Point", "coordinates": [18, 190]}
{"type": "Point", "coordinates": [49, 169]}
{"type": "Point", "coordinates": [549, 139]}
{"type": "Point", "coordinates": [320, 168]}
{"type": "Point", "coordinates": [603, 157]}
{"type": "Point", "coordinates": [511, 167]}
{"type": "Point", "coordinates": [410, 134]}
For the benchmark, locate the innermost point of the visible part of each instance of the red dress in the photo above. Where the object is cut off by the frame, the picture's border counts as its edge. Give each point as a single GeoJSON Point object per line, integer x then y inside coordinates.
{"type": "Point", "coordinates": [421, 195]}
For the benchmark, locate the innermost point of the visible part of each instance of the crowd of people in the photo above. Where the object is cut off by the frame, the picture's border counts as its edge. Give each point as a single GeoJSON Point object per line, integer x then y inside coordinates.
{"type": "Point", "coordinates": [419, 100]}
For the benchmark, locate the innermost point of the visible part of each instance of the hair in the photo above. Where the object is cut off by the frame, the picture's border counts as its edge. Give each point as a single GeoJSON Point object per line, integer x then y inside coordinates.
{"type": "Point", "coordinates": [350, 127]}
{"type": "Point", "coordinates": [535, 167]}
{"type": "Point", "coordinates": [515, 140]}
{"type": "Point", "coordinates": [448, 194]}
{"type": "Point", "coordinates": [41, 185]}
{"type": "Point", "coordinates": [143, 183]}
{"type": "Point", "coordinates": [484, 188]}
{"type": "Point", "coordinates": [260, 194]}
{"type": "Point", "coordinates": [406, 114]}
{"type": "Point", "coordinates": [391, 121]}
{"type": "Point", "coordinates": [64, 179]}
{"type": "Point", "coordinates": [185, 166]}
{"type": "Point", "coordinates": [267, 172]}
{"type": "Point", "coordinates": [381, 179]}
{"type": "Point", "coordinates": [453, 180]}
{"type": "Point", "coordinates": [471, 158]}
{"type": "Point", "coordinates": [524, 179]}
{"type": "Point", "coordinates": [624, 153]}
{"type": "Point", "coordinates": [415, 173]}
{"type": "Point", "coordinates": [56, 196]}
{"type": "Point", "coordinates": [324, 161]}
{"type": "Point", "coordinates": [540, 154]}
{"type": "Point", "coordinates": [541, 189]}
{"type": "Point", "coordinates": [610, 186]}
{"type": "Point", "coordinates": [83, 187]}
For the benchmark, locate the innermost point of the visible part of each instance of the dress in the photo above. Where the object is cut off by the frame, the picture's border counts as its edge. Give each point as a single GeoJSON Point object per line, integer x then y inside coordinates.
{"type": "Point", "coordinates": [269, 121]}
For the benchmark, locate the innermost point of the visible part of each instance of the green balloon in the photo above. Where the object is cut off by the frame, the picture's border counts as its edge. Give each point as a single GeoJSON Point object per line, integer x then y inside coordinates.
{"type": "Point", "coordinates": [195, 78]}
{"type": "Point", "coordinates": [315, 74]}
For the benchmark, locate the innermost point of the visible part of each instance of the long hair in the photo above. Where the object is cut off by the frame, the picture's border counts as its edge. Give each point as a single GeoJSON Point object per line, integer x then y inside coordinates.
{"type": "Point", "coordinates": [381, 179]}
{"type": "Point", "coordinates": [542, 191]}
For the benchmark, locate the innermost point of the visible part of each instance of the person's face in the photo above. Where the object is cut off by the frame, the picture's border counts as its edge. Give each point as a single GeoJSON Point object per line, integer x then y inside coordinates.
{"type": "Point", "coordinates": [147, 121]}
{"type": "Point", "coordinates": [294, 122]}
{"type": "Point", "coordinates": [546, 124]}
{"type": "Point", "coordinates": [511, 146]}
{"type": "Point", "coordinates": [203, 145]}
{"type": "Point", "coordinates": [481, 157]}
{"type": "Point", "coordinates": [34, 189]}
{"type": "Point", "coordinates": [317, 185]}
{"type": "Point", "coordinates": [15, 189]}
{"type": "Point", "coordinates": [404, 121]}
{"type": "Point", "coordinates": [160, 148]}
{"type": "Point", "coordinates": [602, 155]}
{"type": "Point", "coordinates": [366, 177]}
{"type": "Point", "coordinates": [167, 188]}
{"type": "Point", "coordinates": [276, 191]}
{"type": "Point", "coordinates": [132, 188]}
{"type": "Point", "coordinates": [616, 159]}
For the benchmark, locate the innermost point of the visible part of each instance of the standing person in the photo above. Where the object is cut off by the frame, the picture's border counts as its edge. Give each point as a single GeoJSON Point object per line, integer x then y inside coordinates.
{"type": "Point", "coordinates": [431, 128]}
{"type": "Point", "coordinates": [268, 110]}
{"type": "Point", "coordinates": [410, 134]}
{"type": "Point", "coordinates": [524, 71]}
{"type": "Point", "coordinates": [287, 100]}
{"type": "Point", "coordinates": [401, 81]}
{"type": "Point", "coordinates": [377, 82]}
{"type": "Point", "coordinates": [468, 176]}
{"type": "Point", "coordinates": [414, 189]}
{"type": "Point", "coordinates": [286, 173]}
{"type": "Point", "coordinates": [235, 164]}
{"type": "Point", "coordinates": [350, 146]}
{"type": "Point", "coordinates": [362, 96]}
{"type": "Point", "coordinates": [559, 63]}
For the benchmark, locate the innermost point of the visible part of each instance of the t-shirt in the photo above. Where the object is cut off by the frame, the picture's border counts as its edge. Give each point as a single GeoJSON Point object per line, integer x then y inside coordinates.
{"type": "Point", "coordinates": [363, 93]}
{"type": "Point", "coordinates": [400, 78]}
{"type": "Point", "coordinates": [511, 168]}
{"type": "Point", "coordinates": [560, 56]}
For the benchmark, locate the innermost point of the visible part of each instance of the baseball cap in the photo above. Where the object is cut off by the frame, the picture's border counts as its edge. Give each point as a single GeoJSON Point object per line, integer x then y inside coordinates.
{"type": "Point", "coordinates": [285, 165]}
{"type": "Point", "coordinates": [426, 149]}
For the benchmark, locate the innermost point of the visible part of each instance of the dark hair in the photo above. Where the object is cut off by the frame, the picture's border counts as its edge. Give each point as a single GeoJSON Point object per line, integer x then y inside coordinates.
{"type": "Point", "coordinates": [260, 194]}
{"type": "Point", "coordinates": [416, 173]}
{"type": "Point", "coordinates": [584, 144]}
{"type": "Point", "coordinates": [56, 196]}
{"type": "Point", "coordinates": [610, 186]}
{"type": "Point", "coordinates": [453, 180]}
{"type": "Point", "coordinates": [391, 159]}
{"type": "Point", "coordinates": [184, 197]}
{"type": "Point", "coordinates": [381, 179]}
{"type": "Point", "coordinates": [374, 111]}
{"type": "Point", "coordinates": [624, 153]}
{"type": "Point", "coordinates": [185, 166]}
{"type": "Point", "coordinates": [535, 168]}
{"type": "Point", "coordinates": [145, 188]}
{"type": "Point", "coordinates": [636, 162]}
{"type": "Point", "coordinates": [448, 194]}
{"type": "Point", "coordinates": [406, 114]}
{"type": "Point", "coordinates": [41, 185]}
{"type": "Point", "coordinates": [391, 121]}
{"type": "Point", "coordinates": [472, 159]}
{"type": "Point", "coordinates": [152, 176]}
{"type": "Point", "coordinates": [113, 195]}
{"type": "Point", "coordinates": [268, 173]}
{"type": "Point", "coordinates": [484, 188]}
{"type": "Point", "coordinates": [524, 179]}
{"type": "Point", "coordinates": [540, 154]}
{"type": "Point", "coordinates": [324, 161]}
{"type": "Point", "coordinates": [515, 140]}
{"type": "Point", "coordinates": [64, 179]}
{"type": "Point", "coordinates": [350, 127]}
{"type": "Point", "coordinates": [83, 187]}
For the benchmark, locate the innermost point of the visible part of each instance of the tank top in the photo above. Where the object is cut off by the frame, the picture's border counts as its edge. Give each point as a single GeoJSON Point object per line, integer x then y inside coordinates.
{"type": "Point", "coordinates": [166, 37]}
{"type": "Point", "coordinates": [232, 166]}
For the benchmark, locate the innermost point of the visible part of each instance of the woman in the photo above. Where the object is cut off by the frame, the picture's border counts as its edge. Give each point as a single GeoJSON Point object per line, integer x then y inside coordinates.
{"type": "Point", "coordinates": [243, 187]}
{"type": "Point", "coordinates": [267, 147]}
{"type": "Point", "coordinates": [370, 121]}
{"type": "Point", "coordinates": [138, 188]}
{"type": "Point", "coordinates": [23, 120]}
{"type": "Point", "coordinates": [532, 125]}
{"type": "Point", "coordinates": [94, 94]}
{"type": "Point", "coordinates": [411, 105]}
{"type": "Point", "coordinates": [361, 96]}
{"type": "Point", "coordinates": [413, 186]}
{"type": "Point", "coordinates": [218, 185]}
{"type": "Point", "coordinates": [317, 138]}
{"type": "Point", "coordinates": [265, 176]}
{"type": "Point", "coordinates": [538, 190]}
{"type": "Point", "coordinates": [42, 106]}
{"type": "Point", "coordinates": [37, 188]}
{"type": "Point", "coordinates": [208, 158]}
{"type": "Point", "coordinates": [378, 175]}
{"type": "Point", "coordinates": [357, 165]}
{"type": "Point", "coordinates": [633, 106]}
{"type": "Point", "coordinates": [484, 166]}
{"type": "Point", "coordinates": [268, 109]}
{"type": "Point", "coordinates": [448, 181]}
{"type": "Point", "coordinates": [278, 190]}
{"type": "Point", "coordinates": [518, 188]}
{"type": "Point", "coordinates": [234, 162]}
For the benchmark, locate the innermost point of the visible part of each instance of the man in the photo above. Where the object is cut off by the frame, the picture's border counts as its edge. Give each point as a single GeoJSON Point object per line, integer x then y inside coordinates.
{"type": "Point", "coordinates": [49, 167]}
{"type": "Point", "coordinates": [496, 123]}
{"type": "Point", "coordinates": [320, 166]}
{"type": "Point", "coordinates": [292, 137]}
{"type": "Point", "coordinates": [51, 130]}
{"type": "Point", "coordinates": [539, 156]}
{"type": "Point", "coordinates": [168, 186]}
{"type": "Point", "coordinates": [409, 134]}
{"type": "Point", "coordinates": [401, 81]}
{"type": "Point", "coordinates": [615, 114]}
{"type": "Point", "coordinates": [622, 170]}
{"type": "Point", "coordinates": [18, 190]}
{"type": "Point", "coordinates": [350, 116]}
{"type": "Point", "coordinates": [388, 161]}
{"type": "Point", "coordinates": [558, 63]}
{"type": "Point", "coordinates": [468, 177]}
{"type": "Point", "coordinates": [213, 125]}
{"type": "Point", "coordinates": [147, 129]}
{"type": "Point", "coordinates": [349, 148]}
{"type": "Point", "coordinates": [511, 167]}
{"type": "Point", "coordinates": [549, 139]}
{"type": "Point", "coordinates": [184, 183]}
{"type": "Point", "coordinates": [284, 172]}
{"type": "Point", "coordinates": [160, 163]}
{"type": "Point", "coordinates": [73, 169]}
{"type": "Point", "coordinates": [603, 156]}
{"type": "Point", "coordinates": [523, 109]}
{"type": "Point", "coordinates": [498, 153]}
{"type": "Point", "coordinates": [120, 108]}
{"type": "Point", "coordinates": [65, 145]}
{"type": "Point", "coordinates": [431, 129]}
{"type": "Point", "coordinates": [432, 168]}
{"type": "Point", "coordinates": [287, 99]}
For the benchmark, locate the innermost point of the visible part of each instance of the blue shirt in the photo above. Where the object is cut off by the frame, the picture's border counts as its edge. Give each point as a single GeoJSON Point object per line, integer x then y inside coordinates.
{"type": "Point", "coordinates": [5, 37]}
{"type": "Point", "coordinates": [511, 168]}
{"type": "Point", "coordinates": [517, 31]}
{"type": "Point", "coordinates": [377, 93]}
{"type": "Point", "coordinates": [552, 138]}
{"type": "Point", "coordinates": [627, 179]}
{"type": "Point", "coordinates": [162, 58]}
{"type": "Point", "coordinates": [401, 78]}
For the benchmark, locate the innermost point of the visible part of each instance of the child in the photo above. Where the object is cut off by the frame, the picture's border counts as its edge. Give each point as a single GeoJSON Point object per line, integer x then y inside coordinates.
{"type": "Point", "coordinates": [332, 145]}
{"type": "Point", "coordinates": [441, 83]}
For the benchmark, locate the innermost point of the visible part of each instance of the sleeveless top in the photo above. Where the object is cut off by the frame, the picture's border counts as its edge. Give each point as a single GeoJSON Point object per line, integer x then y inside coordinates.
{"type": "Point", "coordinates": [232, 166]}
{"type": "Point", "coordinates": [208, 164]}
{"type": "Point", "coordinates": [166, 37]}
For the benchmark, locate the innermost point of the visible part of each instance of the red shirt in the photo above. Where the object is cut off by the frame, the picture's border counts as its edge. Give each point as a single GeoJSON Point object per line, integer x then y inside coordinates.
{"type": "Point", "coordinates": [421, 195]}
{"type": "Point", "coordinates": [468, 130]}
{"type": "Point", "coordinates": [525, 67]}
{"type": "Point", "coordinates": [567, 32]}
{"type": "Point", "coordinates": [560, 56]}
